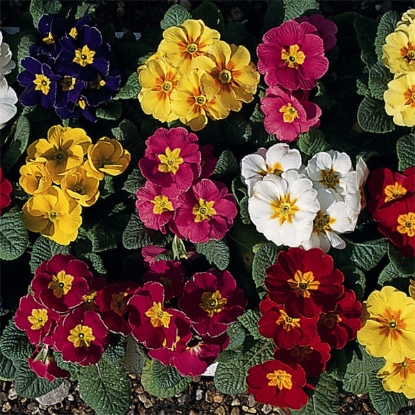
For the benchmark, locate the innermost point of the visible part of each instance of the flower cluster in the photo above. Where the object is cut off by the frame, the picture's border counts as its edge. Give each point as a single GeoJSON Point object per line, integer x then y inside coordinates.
{"type": "Point", "coordinates": [297, 205]}
{"type": "Point", "coordinates": [195, 76]}
{"type": "Point", "coordinates": [5, 191]}
{"type": "Point", "coordinates": [178, 192]}
{"type": "Point", "coordinates": [306, 313]}
{"type": "Point", "coordinates": [389, 331]}
{"type": "Point", "coordinates": [69, 70]}
{"type": "Point", "coordinates": [62, 174]}
{"type": "Point", "coordinates": [292, 59]}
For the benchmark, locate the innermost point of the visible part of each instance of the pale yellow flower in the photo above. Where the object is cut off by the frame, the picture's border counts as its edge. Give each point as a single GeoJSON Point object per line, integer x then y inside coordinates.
{"type": "Point", "coordinates": [407, 18]}
{"type": "Point", "coordinates": [35, 177]}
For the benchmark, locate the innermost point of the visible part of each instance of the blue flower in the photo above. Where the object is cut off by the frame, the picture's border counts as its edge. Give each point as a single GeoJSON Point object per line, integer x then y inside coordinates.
{"type": "Point", "coordinates": [102, 89]}
{"type": "Point", "coordinates": [76, 110]}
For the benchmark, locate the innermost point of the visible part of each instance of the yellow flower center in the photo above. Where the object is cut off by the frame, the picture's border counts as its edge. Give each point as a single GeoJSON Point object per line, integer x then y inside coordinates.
{"type": "Point", "coordinates": [394, 191]}
{"type": "Point", "coordinates": [73, 33]}
{"type": "Point", "coordinates": [61, 284]}
{"type": "Point", "coordinates": [293, 57]}
{"type": "Point", "coordinates": [67, 83]}
{"type": "Point", "coordinates": [119, 303]}
{"type": "Point", "coordinates": [303, 283]}
{"type": "Point", "coordinates": [53, 215]}
{"type": "Point", "coordinates": [192, 48]}
{"type": "Point", "coordinates": [84, 56]}
{"type": "Point", "coordinates": [212, 303]}
{"type": "Point", "coordinates": [161, 204]}
{"type": "Point", "coordinates": [157, 316]}
{"type": "Point", "coordinates": [89, 299]}
{"type": "Point", "coordinates": [81, 103]}
{"type": "Point", "coordinates": [200, 100]}
{"type": "Point", "coordinates": [97, 83]}
{"type": "Point", "coordinates": [406, 224]}
{"type": "Point", "coordinates": [170, 161]}
{"type": "Point", "coordinates": [409, 96]}
{"type": "Point", "coordinates": [203, 210]}
{"type": "Point", "coordinates": [284, 209]}
{"type": "Point", "coordinates": [274, 169]}
{"type": "Point", "coordinates": [408, 52]}
{"type": "Point", "coordinates": [166, 86]}
{"type": "Point", "coordinates": [329, 178]}
{"type": "Point", "coordinates": [49, 40]}
{"type": "Point", "coordinates": [42, 83]}
{"type": "Point", "coordinates": [38, 318]}
{"type": "Point", "coordinates": [288, 323]}
{"type": "Point", "coordinates": [329, 319]}
{"type": "Point", "coordinates": [391, 324]}
{"type": "Point", "coordinates": [322, 223]}
{"type": "Point", "coordinates": [290, 113]}
{"type": "Point", "coordinates": [281, 379]}
{"type": "Point", "coordinates": [81, 336]}
{"type": "Point", "coordinates": [225, 76]}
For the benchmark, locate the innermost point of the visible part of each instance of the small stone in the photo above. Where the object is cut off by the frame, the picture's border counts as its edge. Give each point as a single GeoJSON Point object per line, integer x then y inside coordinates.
{"type": "Point", "coordinates": [12, 394]}
{"type": "Point", "coordinates": [32, 406]}
{"type": "Point", "coordinates": [266, 409]}
{"type": "Point", "coordinates": [193, 412]}
{"type": "Point", "coordinates": [6, 407]}
{"type": "Point", "coordinates": [209, 397]}
{"type": "Point", "coordinates": [182, 399]}
{"type": "Point", "coordinates": [251, 401]}
{"type": "Point", "coordinates": [244, 408]}
{"type": "Point", "coordinates": [199, 394]}
{"type": "Point", "coordinates": [146, 402]}
{"type": "Point", "coordinates": [251, 411]}
{"type": "Point", "coordinates": [70, 398]}
{"type": "Point", "coordinates": [56, 395]}
{"type": "Point", "coordinates": [236, 402]}
{"type": "Point", "coordinates": [218, 398]}
{"type": "Point", "coordinates": [235, 411]}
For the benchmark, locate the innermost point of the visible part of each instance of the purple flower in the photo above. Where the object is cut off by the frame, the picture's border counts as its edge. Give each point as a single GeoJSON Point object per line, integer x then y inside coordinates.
{"type": "Point", "coordinates": [75, 110]}
{"type": "Point", "coordinates": [102, 89]}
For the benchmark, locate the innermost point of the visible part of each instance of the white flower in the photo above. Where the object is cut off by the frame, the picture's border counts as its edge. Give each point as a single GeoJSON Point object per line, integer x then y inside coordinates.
{"type": "Point", "coordinates": [6, 64]}
{"type": "Point", "coordinates": [7, 100]}
{"type": "Point", "coordinates": [276, 160]}
{"type": "Point", "coordinates": [355, 196]}
{"type": "Point", "coordinates": [283, 208]}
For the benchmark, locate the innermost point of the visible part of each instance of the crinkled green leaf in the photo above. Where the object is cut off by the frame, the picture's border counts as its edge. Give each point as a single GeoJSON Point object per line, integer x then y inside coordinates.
{"type": "Point", "coordinates": [162, 381]}
{"type": "Point", "coordinates": [337, 365]}
{"type": "Point", "coordinates": [7, 368]}
{"type": "Point", "coordinates": [236, 335]}
{"type": "Point", "coordinates": [403, 264]}
{"type": "Point", "coordinates": [227, 165]}
{"type": "Point", "coordinates": [386, 25]}
{"type": "Point", "coordinates": [116, 349]}
{"type": "Point", "coordinates": [84, 8]}
{"type": "Point", "coordinates": [105, 387]}
{"type": "Point", "coordinates": [95, 262]}
{"type": "Point", "coordinates": [23, 50]}
{"type": "Point", "coordinates": [296, 8]}
{"type": "Point", "coordinates": [134, 180]}
{"type": "Point", "coordinates": [131, 88]}
{"type": "Point", "coordinates": [323, 98]}
{"type": "Point", "coordinates": [362, 86]}
{"type": "Point", "coordinates": [313, 142]}
{"type": "Point", "coordinates": [14, 343]}
{"type": "Point", "coordinates": [366, 34]}
{"type": "Point", "coordinates": [388, 274]}
{"type": "Point", "coordinates": [14, 237]}
{"type": "Point", "coordinates": [125, 131]}
{"type": "Point", "coordinates": [210, 14]}
{"type": "Point", "coordinates": [372, 117]}
{"type": "Point", "coordinates": [274, 15]}
{"type": "Point", "coordinates": [405, 151]}
{"type": "Point", "coordinates": [72, 368]}
{"type": "Point", "coordinates": [249, 321]}
{"type": "Point", "coordinates": [263, 258]}
{"type": "Point", "coordinates": [135, 234]}
{"type": "Point", "coordinates": [40, 7]}
{"type": "Point", "coordinates": [379, 76]}
{"type": "Point", "coordinates": [174, 16]}
{"type": "Point", "coordinates": [216, 252]}
{"type": "Point", "coordinates": [355, 279]}
{"type": "Point", "coordinates": [111, 111]}
{"type": "Point", "coordinates": [44, 249]}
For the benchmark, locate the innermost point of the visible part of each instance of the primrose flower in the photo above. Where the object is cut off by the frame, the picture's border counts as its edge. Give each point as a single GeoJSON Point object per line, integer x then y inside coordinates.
{"type": "Point", "coordinates": [5, 190]}
{"type": "Point", "coordinates": [407, 18]}
{"type": "Point", "coordinates": [389, 326]}
{"type": "Point", "coordinates": [6, 62]}
{"type": "Point", "coordinates": [8, 99]}
{"type": "Point", "coordinates": [34, 177]}
{"type": "Point", "coordinates": [292, 56]}
{"type": "Point", "coordinates": [356, 196]}
{"type": "Point", "coordinates": [102, 88]}
{"type": "Point", "coordinates": [43, 363]}
{"type": "Point", "coordinates": [181, 44]}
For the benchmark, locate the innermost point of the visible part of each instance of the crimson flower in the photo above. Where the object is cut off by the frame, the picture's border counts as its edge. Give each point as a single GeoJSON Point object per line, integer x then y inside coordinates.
{"type": "Point", "coordinates": [212, 300]}
{"type": "Point", "coordinates": [304, 281]}
{"type": "Point", "coordinates": [43, 363]}
{"type": "Point", "coordinates": [5, 190]}
{"type": "Point", "coordinates": [278, 384]}
{"type": "Point", "coordinates": [208, 161]}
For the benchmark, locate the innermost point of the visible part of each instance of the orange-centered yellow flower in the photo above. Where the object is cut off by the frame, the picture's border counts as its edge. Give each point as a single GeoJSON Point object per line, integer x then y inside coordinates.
{"type": "Point", "coordinates": [280, 378]}
{"type": "Point", "coordinates": [61, 284]}
{"type": "Point", "coordinates": [34, 177]}
{"type": "Point", "coordinates": [284, 208]}
{"type": "Point", "coordinates": [303, 283]}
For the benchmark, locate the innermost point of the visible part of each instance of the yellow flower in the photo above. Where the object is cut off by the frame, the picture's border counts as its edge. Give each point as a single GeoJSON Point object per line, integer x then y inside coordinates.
{"type": "Point", "coordinates": [400, 99]}
{"type": "Point", "coordinates": [80, 187]}
{"type": "Point", "coordinates": [34, 177]}
{"type": "Point", "coordinates": [399, 52]}
{"type": "Point", "coordinates": [158, 79]}
{"type": "Point", "coordinates": [181, 44]}
{"type": "Point", "coordinates": [63, 150]}
{"type": "Point", "coordinates": [53, 215]}
{"type": "Point", "coordinates": [107, 156]}
{"type": "Point", "coordinates": [407, 18]}
{"type": "Point", "coordinates": [389, 325]}
{"type": "Point", "coordinates": [399, 377]}
{"type": "Point", "coordinates": [231, 69]}
{"type": "Point", "coordinates": [412, 288]}
{"type": "Point", "coordinates": [193, 103]}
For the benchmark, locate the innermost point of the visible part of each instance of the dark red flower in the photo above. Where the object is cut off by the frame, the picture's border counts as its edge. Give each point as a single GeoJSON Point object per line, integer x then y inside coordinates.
{"type": "Point", "coordinates": [5, 190]}
{"type": "Point", "coordinates": [304, 281]}
{"type": "Point", "coordinates": [89, 300]}
{"type": "Point", "coordinates": [44, 365]}
{"type": "Point", "coordinates": [278, 384]}
{"type": "Point", "coordinates": [208, 161]}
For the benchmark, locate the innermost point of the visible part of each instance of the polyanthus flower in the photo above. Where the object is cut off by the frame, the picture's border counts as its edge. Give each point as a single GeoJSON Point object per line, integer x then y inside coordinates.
{"type": "Point", "coordinates": [292, 56]}
{"type": "Point", "coordinates": [230, 68]}
{"type": "Point", "coordinates": [172, 158]}
{"type": "Point", "coordinates": [356, 196]}
{"type": "Point", "coordinates": [181, 44]}
{"type": "Point", "coordinates": [278, 384]}
{"type": "Point", "coordinates": [101, 89]}
{"type": "Point", "coordinates": [35, 177]}
{"type": "Point", "coordinates": [53, 215]}
{"type": "Point", "coordinates": [212, 301]}
{"type": "Point", "coordinates": [43, 363]}
{"type": "Point", "coordinates": [208, 161]}
{"type": "Point", "coordinates": [286, 116]}
{"type": "Point", "coordinates": [8, 99]}
{"type": "Point", "coordinates": [5, 191]}
{"type": "Point", "coordinates": [205, 212]}
{"type": "Point", "coordinates": [407, 18]}
{"type": "Point", "coordinates": [283, 208]}
{"type": "Point", "coordinates": [389, 326]}
{"type": "Point", "coordinates": [304, 281]}
{"type": "Point", "coordinates": [6, 62]}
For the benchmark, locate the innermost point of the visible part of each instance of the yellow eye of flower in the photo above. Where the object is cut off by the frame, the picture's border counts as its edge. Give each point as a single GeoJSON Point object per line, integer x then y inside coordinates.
{"type": "Point", "coordinates": [225, 76]}
{"type": "Point", "coordinates": [293, 57]}
{"type": "Point", "coordinates": [67, 83]}
{"type": "Point", "coordinates": [409, 96]}
{"type": "Point", "coordinates": [166, 86]}
{"type": "Point", "coordinates": [281, 379]}
{"type": "Point", "coordinates": [200, 100]}
{"type": "Point", "coordinates": [303, 283]}
{"type": "Point", "coordinates": [322, 223]}
{"type": "Point", "coordinates": [49, 39]}
{"type": "Point", "coordinates": [394, 191]}
{"type": "Point", "coordinates": [61, 284]}
{"type": "Point", "coordinates": [42, 83]}
{"type": "Point", "coordinates": [406, 224]}
{"type": "Point", "coordinates": [284, 209]}
{"type": "Point", "coordinates": [157, 316]}
{"type": "Point", "coordinates": [38, 318]}
{"type": "Point", "coordinates": [73, 33]}
{"type": "Point", "coordinates": [203, 210]}
{"type": "Point", "coordinates": [192, 48]}
{"type": "Point", "coordinates": [161, 204]}
{"type": "Point", "coordinates": [329, 178]}
{"type": "Point", "coordinates": [288, 323]}
{"type": "Point", "coordinates": [81, 336]}
{"type": "Point", "coordinates": [290, 113]}
{"type": "Point", "coordinates": [170, 161]}
{"type": "Point", "coordinates": [84, 56]}
{"type": "Point", "coordinates": [212, 303]}
{"type": "Point", "coordinates": [81, 103]}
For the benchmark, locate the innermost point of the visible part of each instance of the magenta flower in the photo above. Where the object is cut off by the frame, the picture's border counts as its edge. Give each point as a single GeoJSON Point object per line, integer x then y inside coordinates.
{"type": "Point", "coordinates": [212, 301]}
{"type": "Point", "coordinates": [208, 161]}
{"type": "Point", "coordinates": [292, 56]}
{"type": "Point", "coordinates": [151, 252]}
{"type": "Point", "coordinates": [44, 365]}
{"type": "Point", "coordinates": [286, 116]}
{"type": "Point", "coordinates": [172, 158]}
{"type": "Point", "coordinates": [205, 212]}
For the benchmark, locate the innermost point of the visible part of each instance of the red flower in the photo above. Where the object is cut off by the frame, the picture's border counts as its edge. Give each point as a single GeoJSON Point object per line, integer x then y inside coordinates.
{"type": "Point", "coordinates": [304, 281]}
{"type": "Point", "coordinates": [212, 301]}
{"type": "Point", "coordinates": [205, 212]}
{"type": "Point", "coordinates": [81, 337]}
{"type": "Point", "coordinates": [208, 161]}
{"type": "Point", "coordinates": [340, 325]}
{"type": "Point", "coordinates": [61, 283]}
{"type": "Point", "coordinates": [89, 300]}
{"type": "Point", "coordinates": [44, 365]}
{"type": "Point", "coordinates": [5, 190]}
{"type": "Point", "coordinates": [285, 330]}
{"type": "Point", "coordinates": [277, 384]}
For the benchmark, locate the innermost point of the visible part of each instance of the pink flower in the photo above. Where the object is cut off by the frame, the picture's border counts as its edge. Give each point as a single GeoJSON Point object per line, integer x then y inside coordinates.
{"type": "Point", "coordinates": [205, 212]}
{"type": "Point", "coordinates": [292, 56]}
{"type": "Point", "coordinates": [286, 116]}
{"type": "Point", "coordinates": [172, 158]}
{"type": "Point", "coordinates": [5, 190]}
{"type": "Point", "coordinates": [44, 365]}
{"type": "Point", "coordinates": [325, 28]}
{"type": "Point", "coordinates": [151, 252]}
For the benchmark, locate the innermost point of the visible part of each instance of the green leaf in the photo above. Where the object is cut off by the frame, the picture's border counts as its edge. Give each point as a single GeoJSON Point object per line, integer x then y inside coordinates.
{"type": "Point", "coordinates": [362, 85]}
{"type": "Point", "coordinates": [236, 335]}
{"type": "Point", "coordinates": [7, 368]}
{"type": "Point", "coordinates": [365, 255]}
{"type": "Point", "coordinates": [337, 365]}
{"type": "Point", "coordinates": [14, 343]}
{"type": "Point", "coordinates": [14, 237]}
{"type": "Point", "coordinates": [134, 180]}
{"type": "Point", "coordinates": [116, 349]}
{"type": "Point", "coordinates": [105, 387]}
{"type": "Point", "coordinates": [379, 76]}
{"type": "Point", "coordinates": [227, 165]}
{"type": "Point", "coordinates": [210, 14]}
{"type": "Point", "coordinates": [23, 49]}
{"type": "Point", "coordinates": [44, 249]}
{"type": "Point", "coordinates": [322, 98]}
{"type": "Point", "coordinates": [237, 129]}
{"type": "Point", "coordinates": [366, 34]}
{"type": "Point", "coordinates": [111, 111]}
{"type": "Point", "coordinates": [216, 252]}
{"type": "Point", "coordinates": [313, 142]}
{"type": "Point", "coordinates": [388, 274]}
{"type": "Point", "coordinates": [387, 25]}
{"type": "Point", "coordinates": [296, 8]}
{"type": "Point", "coordinates": [249, 321]}
{"type": "Point", "coordinates": [354, 278]}
{"type": "Point", "coordinates": [131, 88]}
{"type": "Point", "coordinates": [403, 264]}
{"type": "Point", "coordinates": [95, 262]}
{"type": "Point", "coordinates": [162, 381]}
{"type": "Point", "coordinates": [263, 258]}
{"type": "Point", "coordinates": [274, 15]}
{"type": "Point", "coordinates": [135, 234]}
{"type": "Point", "coordinates": [405, 150]}
{"type": "Point", "coordinates": [40, 7]}
{"type": "Point", "coordinates": [174, 16]}
{"type": "Point", "coordinates": [84, 9]}
{"type": "Point", "coordinates": [372, 117]}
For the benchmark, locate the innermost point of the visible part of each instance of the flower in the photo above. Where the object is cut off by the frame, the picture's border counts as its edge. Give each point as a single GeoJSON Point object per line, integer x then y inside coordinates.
{"type": "Point", "coordinates": [292, 56]}
{"type": "Point", "coordinates": [407, 18]}
{"type": "Point", "coordinates": [205, 212]}
{"type": "Point", "coordinates": [6, 62]}
{"type": "Point", "coordinates": [8, 99]}
{"type": "Point", "coordinates": [389, 326]}
{"type": "Point", "coordinates": [53, 215]}
{"type": "Point", "coordinates": [287, 117]}
{"type": "Point", "coordinates": [43, 363]}
{"type": "Point", "coordinates": [212, 301]}
{"type": "Point", "coordinates": [399, 99]}
{"type": "Point", "coordinates": [283, 208]}
{"type": "Point", "coordinates": [5, 191]}
{"type": "Point", "coordinates": [278, 384]}
{"type": "Point", "coordinates": [35, 177]}
{"type": "Point", "coordinates": [356, 196]}
{"type": "Point", "coordinates": [181, 44]}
